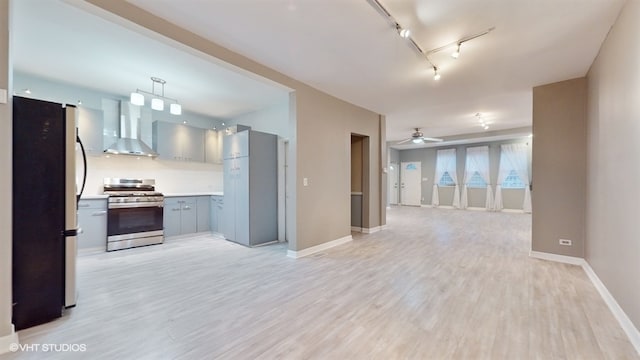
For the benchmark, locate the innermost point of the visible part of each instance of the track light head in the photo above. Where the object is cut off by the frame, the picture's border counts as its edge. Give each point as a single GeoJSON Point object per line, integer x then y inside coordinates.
{"type": "Point", "coordinates": [436, 75]}
{"type": "Point", "coordinates": [456, 54]}
{"type": "Point", "coordinates": [405, 33]}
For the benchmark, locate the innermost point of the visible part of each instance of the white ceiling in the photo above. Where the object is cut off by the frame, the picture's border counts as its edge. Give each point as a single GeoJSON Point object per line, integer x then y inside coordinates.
{"type": "Point", "coordinates": [343, 47]}
{"type": "Point", "coordinates": [60, 42]}
{"type": "Point", "coordinates": [348, 49]}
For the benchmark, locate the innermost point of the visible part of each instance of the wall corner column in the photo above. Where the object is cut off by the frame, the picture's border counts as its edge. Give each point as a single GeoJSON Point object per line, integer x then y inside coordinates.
{"type": "Point", "coordinates": [7, 333]}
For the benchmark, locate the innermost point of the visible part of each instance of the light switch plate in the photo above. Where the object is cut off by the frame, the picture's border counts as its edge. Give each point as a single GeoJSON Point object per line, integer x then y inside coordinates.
{"type": "Point", "coordinates": [3, 96]}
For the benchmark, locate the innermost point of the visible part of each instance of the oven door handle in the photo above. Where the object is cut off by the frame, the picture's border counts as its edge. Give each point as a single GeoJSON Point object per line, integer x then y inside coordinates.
{"type": "Point", "coordinates": [135, 205]}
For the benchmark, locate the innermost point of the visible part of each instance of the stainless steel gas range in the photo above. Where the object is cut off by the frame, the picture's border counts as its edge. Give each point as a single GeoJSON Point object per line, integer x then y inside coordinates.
{"type": "Point", "coordinates": [134, 216]}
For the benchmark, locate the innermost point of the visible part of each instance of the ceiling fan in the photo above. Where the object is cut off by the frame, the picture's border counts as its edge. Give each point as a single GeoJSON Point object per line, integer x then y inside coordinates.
{"type": "Point", "coordinates": [418, 138]}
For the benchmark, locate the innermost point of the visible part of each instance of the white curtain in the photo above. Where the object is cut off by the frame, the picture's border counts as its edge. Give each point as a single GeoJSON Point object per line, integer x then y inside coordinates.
{"type": "Point", "coordinates": [477, 160]}
{"type": "Point", "coordinates": [446, 162]}
{"type": "Point", "coordinates": [513, 157]}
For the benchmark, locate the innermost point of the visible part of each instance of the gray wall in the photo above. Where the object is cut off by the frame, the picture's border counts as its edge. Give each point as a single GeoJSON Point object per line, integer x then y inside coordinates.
{"type": "Point", "coordinates": [272, 120]}
{"type": "Point", "coordinates": [559, 167]}
{"type": "Point", "coordinates": [512, 198]}
{"type": "Point", "coordinates": [613, 170]}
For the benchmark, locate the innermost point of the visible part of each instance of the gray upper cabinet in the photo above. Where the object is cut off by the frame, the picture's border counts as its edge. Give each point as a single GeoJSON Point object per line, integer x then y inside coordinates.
{"type": "Point", "coordinates": [90, 125]}
{"type": "Point", "coordinates": [213, 146]}
{"type": "Point", "coordinates": [178, 141]}
{"type": "Point", "coordinates": [236, 145]}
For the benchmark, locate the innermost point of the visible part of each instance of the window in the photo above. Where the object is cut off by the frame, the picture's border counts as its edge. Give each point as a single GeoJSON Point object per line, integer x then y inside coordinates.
{"type": "Point", "coordinates": [512, 181]}
{"type": "Point", "coordinates": [476, 181]}
{"type": "Point", "coordinates": [446, 180]}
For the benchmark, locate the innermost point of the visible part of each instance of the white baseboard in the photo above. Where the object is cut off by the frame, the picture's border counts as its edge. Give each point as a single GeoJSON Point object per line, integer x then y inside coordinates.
{"type": "Point", "coordinates": [625, 323]}
{"type": "Point", "coordinates": [8, 340]}
{"type": "Point", "coordinates": [318, 248]}
{"type": "Point", "coordinates": [514, 211]}
{"type": "Point", "coordinates": [426, 206]}
{"type": "Point", "coordinates": [471, 208]}
{"type": "Point", "coordinates": [371, 230]}
{"type": "Point", "coordinates": [557, 258]}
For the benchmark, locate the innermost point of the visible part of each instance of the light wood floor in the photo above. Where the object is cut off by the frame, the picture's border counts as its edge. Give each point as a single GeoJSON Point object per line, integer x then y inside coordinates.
{"type": "Point", "coordinates": [437, 284]}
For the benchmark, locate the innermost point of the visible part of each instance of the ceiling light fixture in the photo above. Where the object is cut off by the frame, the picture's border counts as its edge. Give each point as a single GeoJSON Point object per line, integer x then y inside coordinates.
{"type": "Point", "coordinates": [157, 99]}
{"type": "Point", "coordinates": [483, 124]}
{"type": "Point", "coordinates": [456, 54]}
{"type": "Point", "coordinates": [436, 75]}
{"type": "Point", "coordinates": [406, 34]}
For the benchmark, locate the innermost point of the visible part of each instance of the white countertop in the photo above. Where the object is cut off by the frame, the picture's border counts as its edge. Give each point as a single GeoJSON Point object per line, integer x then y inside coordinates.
{"type": "Point", "coordinates": [93, 197]}
{"type": "Point", "coordinates": [208, 193]}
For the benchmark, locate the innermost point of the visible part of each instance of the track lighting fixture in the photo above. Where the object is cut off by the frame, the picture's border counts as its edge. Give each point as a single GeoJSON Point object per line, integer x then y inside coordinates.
{"type": "Point", "coordinates": [436, 75]}
{"type": "Point", "coordinates": [456, 54]}
{"type": "Point", "coordinates": [157, 100]}
{"type": "Point", "coordinates": [406, 34]}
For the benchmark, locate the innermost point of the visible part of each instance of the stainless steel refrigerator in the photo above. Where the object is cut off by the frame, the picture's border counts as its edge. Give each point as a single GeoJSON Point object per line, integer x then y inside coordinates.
{"type": "Point", "coordinates": [44, 210]}
{"type": "Point", "coordinates": [250, 188]}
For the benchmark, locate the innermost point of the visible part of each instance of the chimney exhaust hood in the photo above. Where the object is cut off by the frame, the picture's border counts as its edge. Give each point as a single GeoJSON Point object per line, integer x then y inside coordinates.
{"type": "Point", "coordinates": [129, 142]}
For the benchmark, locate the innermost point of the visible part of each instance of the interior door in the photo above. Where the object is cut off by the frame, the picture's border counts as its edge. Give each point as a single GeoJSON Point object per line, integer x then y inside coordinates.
{"type": "Point", "coordinates": [394, 183]}
{"type": "Point", "coordinates": [410, 183]}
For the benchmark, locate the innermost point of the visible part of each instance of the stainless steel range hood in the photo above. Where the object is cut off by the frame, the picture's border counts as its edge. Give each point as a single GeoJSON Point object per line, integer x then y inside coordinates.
{"type": "Point", "coordinates": [129, 142]}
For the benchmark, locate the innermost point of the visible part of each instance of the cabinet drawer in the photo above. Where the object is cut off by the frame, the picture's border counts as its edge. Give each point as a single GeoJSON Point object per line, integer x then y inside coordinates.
{"type": "Point", "coordinates": [100, 204]}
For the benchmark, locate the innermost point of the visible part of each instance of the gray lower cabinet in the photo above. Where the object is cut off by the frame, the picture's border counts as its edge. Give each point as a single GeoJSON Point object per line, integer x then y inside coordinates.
{"type": "Point", "coordinates": [186, 215]}
{"type": "Point", "coordinates": [204, 214]}
{"type": "Point", "coordinates": [92, 219]}
{"type": "Point", "coordinates": [180, 216]}
{"type": "Point", "coordinates": [217, 205]}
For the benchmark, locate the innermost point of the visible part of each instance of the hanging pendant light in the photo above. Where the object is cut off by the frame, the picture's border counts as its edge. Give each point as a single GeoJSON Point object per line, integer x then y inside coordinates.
{"type": "Point", "coordinates": [157, 99]}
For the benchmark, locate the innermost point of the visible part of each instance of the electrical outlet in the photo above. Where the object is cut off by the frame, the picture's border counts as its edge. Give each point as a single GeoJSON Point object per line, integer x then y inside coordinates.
{"type": "Point", "coordinates": [565, 242]}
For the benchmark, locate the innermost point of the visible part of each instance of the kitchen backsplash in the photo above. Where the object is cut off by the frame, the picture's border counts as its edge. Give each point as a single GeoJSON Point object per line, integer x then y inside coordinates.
{"type": "Point", "coordinates": [170, 176]}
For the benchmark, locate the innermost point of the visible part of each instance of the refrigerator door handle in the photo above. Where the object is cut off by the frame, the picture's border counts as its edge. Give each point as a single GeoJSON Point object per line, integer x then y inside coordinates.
{"type": "Point", "coordinates": [70, 232]}
{"type": "Point", "coordinates": [84, 162]}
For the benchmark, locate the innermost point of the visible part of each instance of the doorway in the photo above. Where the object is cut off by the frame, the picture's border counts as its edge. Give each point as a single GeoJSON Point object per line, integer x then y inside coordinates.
{"type": "Point", "coordinates": [359, 182]}
{"type": "Point", "coordinates": [410, 183]}
{"type": "Point", "coordinates": [394, 181]}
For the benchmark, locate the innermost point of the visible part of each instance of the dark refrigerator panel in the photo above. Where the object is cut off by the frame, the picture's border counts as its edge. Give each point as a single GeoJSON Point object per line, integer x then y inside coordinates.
{"type": "Point", "coordinates": [38, 211]}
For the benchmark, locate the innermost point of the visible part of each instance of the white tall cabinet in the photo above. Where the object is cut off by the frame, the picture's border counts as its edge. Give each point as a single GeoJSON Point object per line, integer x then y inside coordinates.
{"type": "Point", "coordinates": [250, 188]}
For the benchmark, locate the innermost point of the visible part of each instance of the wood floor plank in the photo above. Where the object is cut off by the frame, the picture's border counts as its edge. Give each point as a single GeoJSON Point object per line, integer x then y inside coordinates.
{"type": "Point", "coordinates": [435, 284]}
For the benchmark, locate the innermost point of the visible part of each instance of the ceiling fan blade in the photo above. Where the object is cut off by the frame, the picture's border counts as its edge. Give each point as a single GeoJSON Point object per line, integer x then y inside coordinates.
{"type": "Point", "coordinates": [403, 141]}
{"type": "Point", "coordinates": [432, 139]}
